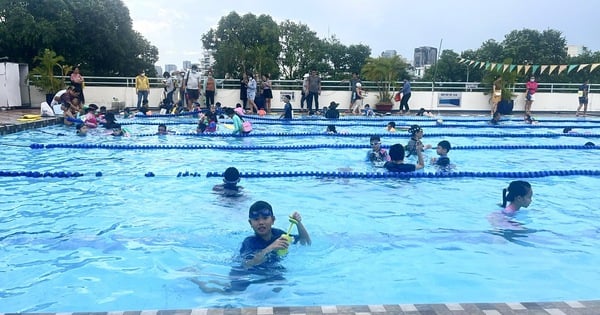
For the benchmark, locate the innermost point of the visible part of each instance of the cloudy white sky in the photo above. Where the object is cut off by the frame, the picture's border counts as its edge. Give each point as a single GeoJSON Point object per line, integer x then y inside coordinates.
{"type": "Point", "coordinates": [176, 27]}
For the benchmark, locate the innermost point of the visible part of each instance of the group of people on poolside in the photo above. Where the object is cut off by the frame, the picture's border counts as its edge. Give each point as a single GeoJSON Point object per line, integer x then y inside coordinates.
{"type": "Point", "coordinates": [531, 88]}
{"type": "Point", "coordinates": [260, 255]}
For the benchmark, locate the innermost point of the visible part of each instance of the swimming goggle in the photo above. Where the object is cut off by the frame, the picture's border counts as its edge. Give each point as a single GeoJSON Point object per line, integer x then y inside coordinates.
{"type": "Point", "coordinates": [261, 213]}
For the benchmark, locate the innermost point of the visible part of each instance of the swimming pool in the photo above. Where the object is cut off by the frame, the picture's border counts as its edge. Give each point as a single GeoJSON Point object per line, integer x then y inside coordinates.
{"type": "Point", "coordinates": [124, 241]}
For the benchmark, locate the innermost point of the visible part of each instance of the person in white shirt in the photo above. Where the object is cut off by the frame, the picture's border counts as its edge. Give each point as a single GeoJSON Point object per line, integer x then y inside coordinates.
{"type": "Point", "coordinates": [191, 82]}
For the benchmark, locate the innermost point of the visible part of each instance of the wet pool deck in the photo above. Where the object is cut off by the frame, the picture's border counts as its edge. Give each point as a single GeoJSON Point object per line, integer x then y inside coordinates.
{"type": "Point", "coordinates": [9, 124]}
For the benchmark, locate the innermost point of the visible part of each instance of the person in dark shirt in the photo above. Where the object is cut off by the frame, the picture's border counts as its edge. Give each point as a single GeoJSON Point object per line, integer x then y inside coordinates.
{"type": "Point", "coordinates": [332, 112]}
{"type": "Point", "coordinates": [259, 252]}
{"type": "Point", "coordinates": [397, 159]}
{"type": "Point", "coordinates": [287, 108]}
{"type": "Point", "coordinates": [442, 150]}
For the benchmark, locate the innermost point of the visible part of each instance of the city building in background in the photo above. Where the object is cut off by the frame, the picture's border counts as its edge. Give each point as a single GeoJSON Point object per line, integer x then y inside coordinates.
{"type": "Point", "coordinates": [574, 50]}
{"type": "Point", "coordinates": [207, 60]}
{"type": "Point", "coordinates": [424, 58]}
{"type": "Point", "coordinates": [170, 68]}
{"type": "Point", "coordinates": [389, 53]}
{"type": "Point", "coordinates": [187, 64]}
{"type": "Point", "coordinates": [159, 71]}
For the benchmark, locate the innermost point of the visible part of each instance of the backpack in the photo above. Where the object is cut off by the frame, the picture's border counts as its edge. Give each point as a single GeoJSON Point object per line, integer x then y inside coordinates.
{"type": "Point", "coordinates": [246, 126]}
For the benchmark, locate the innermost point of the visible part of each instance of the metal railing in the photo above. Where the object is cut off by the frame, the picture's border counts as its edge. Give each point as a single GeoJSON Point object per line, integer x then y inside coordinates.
{"type": "Point", "coordinates": [344, 85]}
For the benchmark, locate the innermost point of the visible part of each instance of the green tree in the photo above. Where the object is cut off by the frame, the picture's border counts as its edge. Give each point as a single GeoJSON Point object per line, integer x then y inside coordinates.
{"type": "Point", "coordinates": [531, 46]}
{"type": "Point", "coordinates": [448, 69]}
{"type": "Point", "coordinates": [385, 72]}
{"type": "Point", "coordinates": [96, 34]}
{"type": "Point", "coordinates": [244, 43]}
{"type": "Point", "coordinates": [43, 75]}
{"type": "Point", "coordinates": [357, 56]}
{"type": "Point", "coordinates": [299, 46]}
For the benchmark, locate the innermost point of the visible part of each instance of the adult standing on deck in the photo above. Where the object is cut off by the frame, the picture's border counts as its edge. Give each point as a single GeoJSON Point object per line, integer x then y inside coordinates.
{"type": "Point", "coordinates": [142, 88]}
{"type": "Point", "coordinates": [496, 94]}
{"type": "Point", "coordinates": [210, 89]}
{"type": "Point", "coordinates": [314, 90]}
{"type": "Point", "coordinates": [267, 91]}
{"type": "Point", "coordinates": [582, 93]}
{"type": "Point", "coordinates": [192, 85]}
{"type": "Point", "coordinates": [77, 83]}
{"type": "Point", "coordinates": [244, 90]}
{"type": "Point", "coordinates": [251, 92]}
{"type": "Point", "coordinates": [531, 87]}
{"type": "Point", "coordinates": [406, 92]}
{"type": "Point", "coordinates": [304, 91]}
{"type": "Point", "coordinates": [353, 98]}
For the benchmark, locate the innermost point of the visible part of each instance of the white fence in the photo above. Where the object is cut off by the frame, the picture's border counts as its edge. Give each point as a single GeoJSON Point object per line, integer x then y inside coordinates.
{"type": "Point", "coordinates": [447, 96]}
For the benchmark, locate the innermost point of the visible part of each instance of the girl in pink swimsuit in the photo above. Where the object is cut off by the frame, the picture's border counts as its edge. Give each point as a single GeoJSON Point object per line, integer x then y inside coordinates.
{"type": "Point", "coordinates": [519, 195]}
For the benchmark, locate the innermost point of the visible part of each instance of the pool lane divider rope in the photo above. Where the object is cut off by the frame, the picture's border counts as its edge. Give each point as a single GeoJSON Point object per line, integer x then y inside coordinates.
{"type": "Point", "coordinates": [408, 118]}
{"type": "Point", "coordinates": [334, 174]}
{"type": "Point", "coordinates": [338, 123]}
{"type": "Point", "coordinates": [288, 147]}
{"type": "Point", "coordinates": [365, 118]}
{"type": "Point", "coordinates": [369, 134]}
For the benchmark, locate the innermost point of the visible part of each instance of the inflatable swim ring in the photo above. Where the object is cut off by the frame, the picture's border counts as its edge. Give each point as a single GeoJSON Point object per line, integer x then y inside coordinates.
{"type": "Point", "coordinates": [29, 119]}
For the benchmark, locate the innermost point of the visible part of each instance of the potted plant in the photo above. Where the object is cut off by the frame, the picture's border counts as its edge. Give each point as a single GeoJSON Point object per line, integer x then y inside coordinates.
{"type": "Point", "coordinates": [506, 104]}
{"type": "Point", "coordinates": [42, 76]}
{"type": "Point", "coordinates": [384, 71]}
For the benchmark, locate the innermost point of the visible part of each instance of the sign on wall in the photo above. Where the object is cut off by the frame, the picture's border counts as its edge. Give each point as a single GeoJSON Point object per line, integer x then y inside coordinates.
{"type": "Point", "coordinates": [449, 99]}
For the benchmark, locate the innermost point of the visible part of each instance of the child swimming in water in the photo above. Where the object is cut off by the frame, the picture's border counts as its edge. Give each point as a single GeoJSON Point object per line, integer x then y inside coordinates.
{"type": "Point", "coordinates": [519, 195]}
{"type": "Point", "coordinates": [230, 188]}
{"type": "Point", "coordinates": [416, 135]}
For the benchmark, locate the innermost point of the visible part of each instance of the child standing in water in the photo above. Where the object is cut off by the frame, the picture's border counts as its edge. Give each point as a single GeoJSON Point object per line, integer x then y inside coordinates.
{"type": "Point", "coordinates": [416, 135]}
{"type": "Point", "coordinates": [519, 195]}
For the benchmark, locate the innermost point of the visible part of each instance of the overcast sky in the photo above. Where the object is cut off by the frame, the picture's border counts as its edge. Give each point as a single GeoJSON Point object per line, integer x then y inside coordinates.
{"type": "Point", "coordinates": [176, 27]}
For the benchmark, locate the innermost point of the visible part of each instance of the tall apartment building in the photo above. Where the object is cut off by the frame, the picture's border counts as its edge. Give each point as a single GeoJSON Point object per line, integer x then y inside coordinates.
{"type": "Point", "coordinates": [207, 60]}
{"type": "Point", "coordinates": [187, 64]}
{"type": "Point", "coordinates": [574, 50]}
{"type": "Point", "coordinates": [170, 68]}
{"type": "Point", "coordinates": [389, 53]}
{"type": "Point", "coordinates": [424, 56]}
{"type": "Point", "coordinates": [159, 71]}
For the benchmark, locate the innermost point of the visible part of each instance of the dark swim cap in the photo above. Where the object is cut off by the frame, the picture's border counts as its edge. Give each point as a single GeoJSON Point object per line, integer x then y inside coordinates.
{"type": "Point", "coordinates": [414, 129]}
{"type": "Point", "coordinates": [231, 175]}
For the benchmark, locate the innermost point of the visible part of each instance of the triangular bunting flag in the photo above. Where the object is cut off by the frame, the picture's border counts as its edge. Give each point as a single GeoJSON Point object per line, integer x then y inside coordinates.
{"type": "Point", "coordinates": [561, 68]}
{"type": "Point", "coordinates": [581, 66]}
{"type": "Point", "coordinates": [594, 65]}
{"type": "Point", "coordinates": [571, 67]}
{"type": "Point", "coordinates": [534, 68]}
{"type": "Point", "coordinates": [552, 67]}
{"type": "Point", "coordinates": [492, 66]}
{"type": "Point", "coordinates": [512, 68]}
{"type": "Point", "coordinates": [527, 69]}
{"type": "Point", "coordinates": [461, 60]}
{"type": "Point", "coordinates": [471, 62]}
{"type": "Point", "coordinates": [519, 68]}
{"type": "Point", "coordinates": [543, 68]}
{"type": "Point", "coordinates": [505, 67]}
{"type": "Point", "coordinates": [499, 67]}
{"type": "Point", "coordinates": [482, 64]}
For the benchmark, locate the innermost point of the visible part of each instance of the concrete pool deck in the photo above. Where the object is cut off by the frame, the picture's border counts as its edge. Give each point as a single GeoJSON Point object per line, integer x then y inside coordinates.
{"type": "Point", "coordinates": [529, 308]}
{"type": "Point", "coordinates": [9, 123]}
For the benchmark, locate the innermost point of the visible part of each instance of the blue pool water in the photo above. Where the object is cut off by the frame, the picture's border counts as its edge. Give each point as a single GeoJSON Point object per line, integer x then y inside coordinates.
{"type": "Point", "coordinates": [124, 241]}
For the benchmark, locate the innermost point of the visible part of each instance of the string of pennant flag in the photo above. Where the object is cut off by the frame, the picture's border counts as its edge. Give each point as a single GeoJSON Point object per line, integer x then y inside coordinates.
{"type": "Point", "coordinates": [524, 69]}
